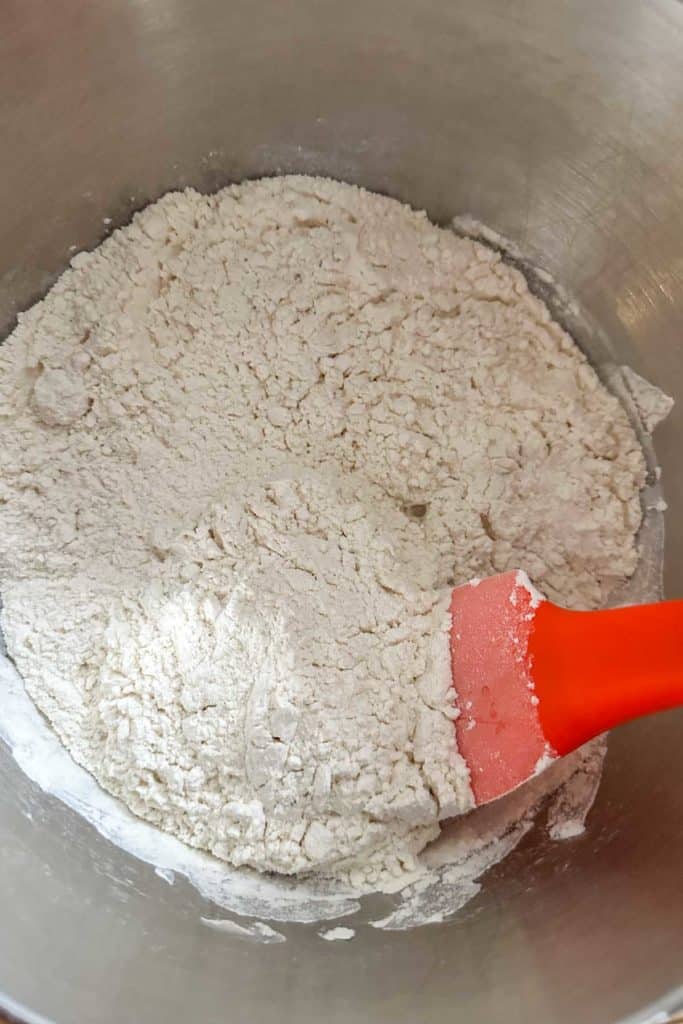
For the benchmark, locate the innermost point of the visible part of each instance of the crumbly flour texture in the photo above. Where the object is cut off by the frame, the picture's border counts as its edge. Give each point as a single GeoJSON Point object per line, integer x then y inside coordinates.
{"type": "Point", "coordinates": [246, 447]}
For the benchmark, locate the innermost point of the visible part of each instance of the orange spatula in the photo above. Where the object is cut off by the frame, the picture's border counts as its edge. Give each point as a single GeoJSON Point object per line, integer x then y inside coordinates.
{"type": "Point", "coordinates": [535, 681]}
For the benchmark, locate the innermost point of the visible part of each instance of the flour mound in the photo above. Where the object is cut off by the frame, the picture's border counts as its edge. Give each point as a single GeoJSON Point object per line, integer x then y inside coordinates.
{"type": "Point", "coordinates": [247, 446]}
{"type": "Point", "coordinates": [263, 647]}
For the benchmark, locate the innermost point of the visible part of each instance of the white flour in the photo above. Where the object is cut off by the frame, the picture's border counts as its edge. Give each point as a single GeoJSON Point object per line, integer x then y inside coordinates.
{"type": "Point", "coordinates": [246, 445]}
{"type": "Point", "coordinates": [337, 934]}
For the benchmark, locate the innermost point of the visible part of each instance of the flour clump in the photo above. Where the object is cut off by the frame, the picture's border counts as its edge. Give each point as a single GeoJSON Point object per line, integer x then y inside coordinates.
{"type": "Point", "coordinates": [248, 444]}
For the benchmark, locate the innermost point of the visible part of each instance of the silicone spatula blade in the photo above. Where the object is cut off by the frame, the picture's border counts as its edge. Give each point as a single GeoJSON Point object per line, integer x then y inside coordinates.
{"type": "Point", "coordinates": [535, 681]}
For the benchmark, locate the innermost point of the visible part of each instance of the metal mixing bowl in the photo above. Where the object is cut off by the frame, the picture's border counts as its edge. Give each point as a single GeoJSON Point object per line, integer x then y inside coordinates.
{"type": "Point", "coordinates": [561, 126]}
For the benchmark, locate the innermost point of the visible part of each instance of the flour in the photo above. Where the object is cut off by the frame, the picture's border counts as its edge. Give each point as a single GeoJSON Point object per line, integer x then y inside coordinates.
{"type": "Point", "coordinates": [257, 931]}
{"type": "Point", "coordinates": [337, 934]}
{"type": "Point", "coordinates": [652, 404]}
{"type": "Point", "coordinates": [247, 445]}
{"type": "Point", "coordinates": [277, 694]}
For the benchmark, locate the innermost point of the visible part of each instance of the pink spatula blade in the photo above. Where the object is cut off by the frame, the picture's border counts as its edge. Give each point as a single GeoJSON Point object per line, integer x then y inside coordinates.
{"type": "Point", "coordinates": [498, 731]}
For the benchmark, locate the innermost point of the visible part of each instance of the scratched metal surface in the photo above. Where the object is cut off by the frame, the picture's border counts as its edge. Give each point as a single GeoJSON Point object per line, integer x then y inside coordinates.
{"type": "Point", "coordinates": [559, 125]}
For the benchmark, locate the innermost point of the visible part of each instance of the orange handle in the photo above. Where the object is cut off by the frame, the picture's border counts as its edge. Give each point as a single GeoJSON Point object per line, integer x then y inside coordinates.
{"type": "Point", "coordinates": [595, 670]}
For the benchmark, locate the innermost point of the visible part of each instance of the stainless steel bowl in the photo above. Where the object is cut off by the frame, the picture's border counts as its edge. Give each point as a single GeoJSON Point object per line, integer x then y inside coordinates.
{"type": "Point", "coordinates": [558, 124]}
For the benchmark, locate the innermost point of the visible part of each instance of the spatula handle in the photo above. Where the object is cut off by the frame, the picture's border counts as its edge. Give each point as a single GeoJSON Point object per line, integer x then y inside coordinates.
{"type": "Point", "coordinates": [595, 670]}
